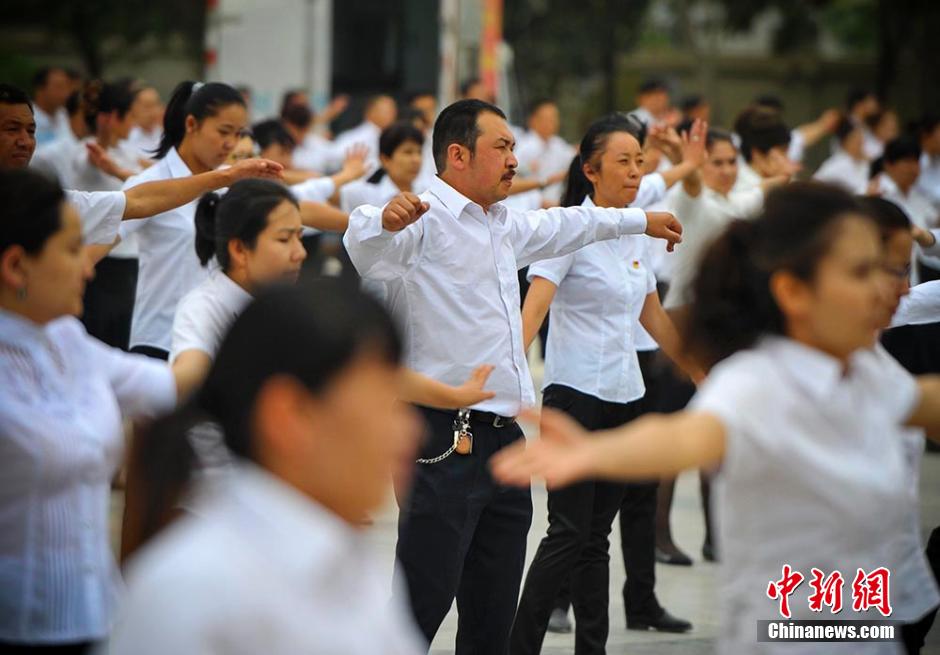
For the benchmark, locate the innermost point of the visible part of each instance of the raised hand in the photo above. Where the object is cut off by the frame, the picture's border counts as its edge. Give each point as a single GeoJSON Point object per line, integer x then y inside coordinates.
{"type": "Point", "coordinates": [403, 210]}
{"type": "Point", "coordinates": [693, 143]}
{"type": "Point", "coordinates": [255, 167]}
{"type": "Point", "coordinates": [924, 238]}
{"type": "Point", "coordinates": [354, 166]}
{"type": "Point", "coordinates": [560, 455]}
{"type": "Point", "coordinates": [663, 225]}
{"type": "Point", "coordinates": [471, 392]}
{"type": "Point", "coordinates": [100, 159]}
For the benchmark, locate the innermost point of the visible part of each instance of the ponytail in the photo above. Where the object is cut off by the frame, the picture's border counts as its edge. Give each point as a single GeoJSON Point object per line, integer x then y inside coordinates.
{"type": "Point", "coordinates": [732, 305]}
{"type": "Point", "coordinates": [577, 187]}
{"type": "Point", "coordinates": [200, 102]}
{"type": "Point", "coordinates": [205, 226]}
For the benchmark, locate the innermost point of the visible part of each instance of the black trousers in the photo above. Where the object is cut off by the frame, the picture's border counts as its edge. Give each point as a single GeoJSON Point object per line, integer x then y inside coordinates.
{"type": "Point", "coordinates": [150, 351]}
{"type": "Point", "coordinates": [576, 546]}
{"type": "Point", "coordinates": [80, 648]}
{"type": "Point", "coordinates": [462, 535]}
{"type": "Point", "coordinates": [915, 634]}
{"type": "Point", "coordinates": [109, 301]}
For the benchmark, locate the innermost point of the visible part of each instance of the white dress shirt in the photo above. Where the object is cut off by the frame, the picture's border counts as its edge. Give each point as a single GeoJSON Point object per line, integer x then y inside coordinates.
{"type": "Point", "coordinates": [928, 183]}
{"type": "Point", "coordinates": [361, 192]}
{"type": "Point", "coordinates": [316, 189]}
{"type": "Point", "coordinates": [813, 476]}
{"type": "Point", "coordinates": [50, 128]}
{"type": "Point", "coordinates": [260, 568]}
{"type": "Point", "coordinates": [144, 142]}
{"type": "Point", "coordinates": [61, 442]}
{"type": "Point", "coordinates": [600, 294]}
{"type": "Point", "coordinates": [703, 218]}
{"type": "Point", "coordinates": [101, 212]}
{"type": "Point", "coordinates": [205, 314]}
{"type": "Point", "coordinates": [844, 171]}
{"type": "Point", "coordinates": [797, 147]}
{"type": "Point", "coordinates": [169, 268]}
{"type": "Point", "coordinates": [316, 153]}
{"type": "Point", "coordinates": [920, 306]}
{"type": "Point", "coordinates": [543, 158]}
{"type": "Point", "coordinates": [458, 286]}
{"type": "Point", "coordinates": [366, 134]}
{"type": "Point", "coordinates": [747, 178]}
{"type": "Point", "coordinates": [650, 197]}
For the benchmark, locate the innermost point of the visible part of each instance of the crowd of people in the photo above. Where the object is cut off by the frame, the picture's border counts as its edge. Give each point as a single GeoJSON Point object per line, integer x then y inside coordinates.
{"type": "Point", "coordinates": [256, 329]}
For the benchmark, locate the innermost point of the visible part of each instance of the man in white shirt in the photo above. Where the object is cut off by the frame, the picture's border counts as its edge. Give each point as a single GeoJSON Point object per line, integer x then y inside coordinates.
{"type": "Point", "coordinates": [861, 105]}
{"type": "Point", "coordinates": [652, 100]}
{"type": "Point", "coordinates": [461, 534]}
{"type": "Point", "coordinates": [51, 88]}
{"type": "Point", "coordinates": [542, 153]}
{"type": "Point", "coordinates": [55, 159]}
{"type": "Point", "coordinates": [765, 140]}
{"type": "Point", "coordinates": [929, 181]}
{"type": "Point", "coordinates": [847, 167]}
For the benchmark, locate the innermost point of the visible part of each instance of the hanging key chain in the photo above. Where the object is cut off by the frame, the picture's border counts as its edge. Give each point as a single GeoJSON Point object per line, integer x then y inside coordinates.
{"type": "Point", "coordinates": [463, 438]}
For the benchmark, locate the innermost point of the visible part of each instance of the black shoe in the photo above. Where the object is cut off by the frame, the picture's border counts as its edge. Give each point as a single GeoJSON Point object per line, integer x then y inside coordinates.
{"type": "Point", "coordinates": [665, 623]}
{"type": "Point", "coordinates": [708, 552]}
{"type": "Point", "coordinates": [559, 622]}
{"type": "Point", "coordinates": [675, 557]}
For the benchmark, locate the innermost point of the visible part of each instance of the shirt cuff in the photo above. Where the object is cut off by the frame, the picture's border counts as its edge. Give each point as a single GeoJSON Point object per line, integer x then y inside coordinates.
{"type": "Point", "coordinates": [632, 221]}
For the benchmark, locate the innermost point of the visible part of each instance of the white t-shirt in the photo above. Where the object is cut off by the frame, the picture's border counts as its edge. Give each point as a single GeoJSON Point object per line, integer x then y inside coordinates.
{"type": "Point", "coordinates": [205, 314]}
{"type": "Point", "coordinates": [813, 476]}
{"type": "Point", "coordinates": [601, 291]}
{"type": "Point", "coordinates": [169, 268]}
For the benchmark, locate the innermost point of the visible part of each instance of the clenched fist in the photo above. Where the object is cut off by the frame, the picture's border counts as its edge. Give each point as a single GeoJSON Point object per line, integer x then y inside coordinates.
{"type": "Point", "coordinates": [403, 210]}
{"type": "Point", "coordinates": [663, 225]}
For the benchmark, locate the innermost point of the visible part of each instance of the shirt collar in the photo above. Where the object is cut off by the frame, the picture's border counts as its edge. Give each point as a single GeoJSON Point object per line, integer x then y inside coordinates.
{"type": "Point", "coordinates": [231, 294]}
{"type": "Point", "coordinates": [456, 203]}
{"type": "Point", "coordinates": [818, 373]}
{"type": "Point", "coordinates": [301, 534]}
{"type": "Point", "coordinates": [588, 202]}
{"type": "Point", "coordinates": [15, 328]}
{"type": "Point", "coordinates": [177, 166]}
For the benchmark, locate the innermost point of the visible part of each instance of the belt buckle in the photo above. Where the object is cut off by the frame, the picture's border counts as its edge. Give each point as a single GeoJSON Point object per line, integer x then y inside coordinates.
{"type": "Point", "coordinates": [500, 422]}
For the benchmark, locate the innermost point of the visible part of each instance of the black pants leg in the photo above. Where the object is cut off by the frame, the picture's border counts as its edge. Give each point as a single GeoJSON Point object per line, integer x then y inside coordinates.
{"type": "Point", "coordinates": [915, 634]}
{"type": "Point", "coordinates": [638, 541]}
{"type": "Point", "coordinates": [462, 535]}
{"type": "Point", "coordinates": [576, 544]}
{"type": "Point", "coordinates": [109, 301]}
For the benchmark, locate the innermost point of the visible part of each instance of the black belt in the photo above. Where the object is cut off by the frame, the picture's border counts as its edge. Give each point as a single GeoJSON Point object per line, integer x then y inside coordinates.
{"type": "Point", "coordinates": [486, 418]}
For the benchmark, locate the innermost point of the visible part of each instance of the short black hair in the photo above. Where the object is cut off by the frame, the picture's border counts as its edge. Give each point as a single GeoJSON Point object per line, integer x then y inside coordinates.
{"type": "Point", "coordinates": [652, 85]}
{"type": "Point", "coordinates": [32, 213]}
{"type": "Point", "coordinates": [762, 130]}
{"type": "Point", "coordinates": [457, 123]}
{"type": "Point", "coordinates": [13, 95]}
{"type": "Point", "coordinates": [887, 216]}
{"type": "Point", "coordinates": [903, 147]}
{"type": "Point", "coordinates": [73, 103]}
{"type": "Point", "coordinates": [298, 116]}
{"type": "Point", "coordinates": [270, 132]}
{"type": "Point", "coordinates": [690, 102]}
{"type": "Point", "coordinates": [856, 95]}
{"type": "Point", "coordinates": [844, 129]}
{"type": "Point", "coordinates": [287, 99]}
{"type": "Point", "coordinates": [928, 123]}
{"type": "Point", "coordinates": [769, 101]}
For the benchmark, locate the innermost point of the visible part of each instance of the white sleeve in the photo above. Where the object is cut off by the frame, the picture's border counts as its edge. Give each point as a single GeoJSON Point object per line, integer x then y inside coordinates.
{"type": "Point", "coordinates": [897, 390]}
{"type": "Point", "coordinates": [546, 233]}
{"type": "Point", "coordinates": [652, 190]}
{"type": "Point", "coordinates": [377, 253]}
{"type": "Point", "coordinates": [934, 250]}
{"type": "Point", "coordinates": [101, 213]}
{"type": "Point", "coordinates": [317, 189]}
{"type": "Point", "coordinates": [747, 203]}
{"type": "Point", "coordinates": [143, 386]}
{"type": "Point", "coordinates": [921, 305]}
{"type": "Point", "coordinates": [190, 329]}
{"type": "Point", "coordinates": [554, 270]}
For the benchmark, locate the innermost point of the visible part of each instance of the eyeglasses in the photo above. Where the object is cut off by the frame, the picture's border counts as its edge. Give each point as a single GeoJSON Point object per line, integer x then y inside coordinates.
{"type": "Point", "coordinates": [901, 273]}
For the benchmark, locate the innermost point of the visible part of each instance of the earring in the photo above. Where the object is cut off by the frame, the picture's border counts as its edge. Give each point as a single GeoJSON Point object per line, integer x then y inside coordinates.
{"type": "Point", "coordinates": [21, 293]}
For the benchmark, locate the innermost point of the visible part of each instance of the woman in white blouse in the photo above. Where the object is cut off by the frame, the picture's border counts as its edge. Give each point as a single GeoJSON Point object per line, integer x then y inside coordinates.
{"type": "Point", "coordinates": [60, 427]}
{"type": "Point", "coordinates": [272, 558]}
{"type": "Point", "coordinates": [804, 418]}
{"type": "Point", "coordinates": [592, 373]}
{"type": "Point", "coordinates": [201, 127]}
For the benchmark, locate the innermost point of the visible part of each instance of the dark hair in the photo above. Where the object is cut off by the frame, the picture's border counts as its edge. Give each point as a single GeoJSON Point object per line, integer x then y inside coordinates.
{"type": "Point", "coordinates": [903, 147]}
{"type": "Point", "coordinates": [855, 96]}
{"type": "Point", "coordinates": [392, 137]}
{"type": "Point", "coordinates": [287, 100]}
{"type": "Point", "coordinates": [537, 104]}
{"type": "Point", "coordinates": [411, 96]}
{"type": "Point", "coordinates": [690, 102]}
{"type": "Point", "coordinates": [716, 135]}
{"type": "Point", "coordinates": [592, 146]}
{"type": "Point", "coordinates": [844, 129]}
{"type": "Point", "coordinates": [466, 84]}
{"type": "Point", "coordinates": [73, 104]}
{"type": "Point", "coordinates": [41, 76]}
{"type": "Point", "coordinates": [12, 95]}
{"type": "Point", "coordinates": [322, 327]}
{"type": "Point", "coordinates": [241, 214]}
{"type": "Point", "coordinates": [651, 85]}
{"type": "Point", "coordinates": [99, 97]}
{"type": "Point", "coordinates": [32, 211]}
{"type": "Point", "coordinates": [876, 167]}
{"type": "Point", "coordinates": [769, 101]}
{"type": "Point", "coordinates": [203, 103]}
{"type": "Point", "coordinates": [457, 123]}
{"type": "Point", "coordinates": [732, 306]}
{"type": "Point", "coordinates": [888, 217]}
{"type": "Point", "coordinates": [761, 129]}
{"type": "Point", "coordinates": [270, 132]}
{"type": "Point", "coordinates": [927, 124]}
{"type": "Point", "coordinates": [298, 116]}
